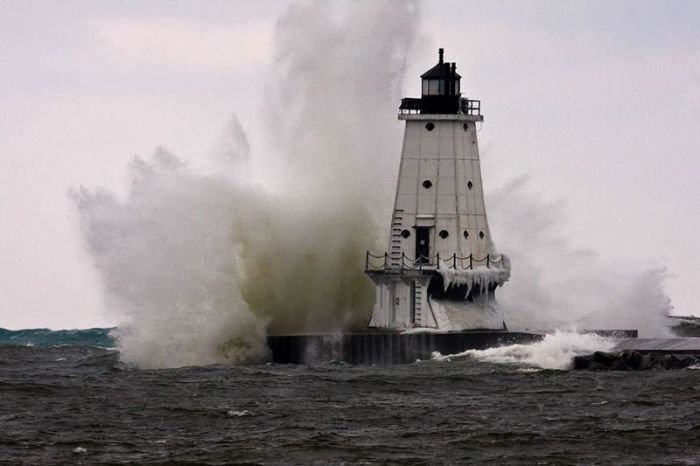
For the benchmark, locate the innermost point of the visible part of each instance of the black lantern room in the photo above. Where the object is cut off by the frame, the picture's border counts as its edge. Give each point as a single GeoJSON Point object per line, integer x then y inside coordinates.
{"type": "Point", "coordinates": [441, 93]}
{"type": "Point", "coordinates": [440, 86]}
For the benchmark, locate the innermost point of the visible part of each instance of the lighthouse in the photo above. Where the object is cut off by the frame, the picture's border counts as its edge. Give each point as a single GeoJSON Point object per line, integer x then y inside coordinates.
{"type": "Point", "coordinates": [441, 268]}
{"type": "Point", "coordinates": [436, 281]}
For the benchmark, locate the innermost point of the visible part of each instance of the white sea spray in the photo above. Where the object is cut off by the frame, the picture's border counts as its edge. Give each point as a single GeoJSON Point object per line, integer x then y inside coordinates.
{"type": "Point", "coordinates": [200, 262]}
{"type": "Point", "coordinates": [557, 284]}
{"type": "Point", "coordinates": [555, 351]}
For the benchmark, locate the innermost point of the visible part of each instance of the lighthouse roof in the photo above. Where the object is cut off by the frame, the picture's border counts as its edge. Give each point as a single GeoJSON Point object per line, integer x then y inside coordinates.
{"type": "Point", "coordinates": [441, 93]}
{"type": "Point", "coordinates": [441, 70]}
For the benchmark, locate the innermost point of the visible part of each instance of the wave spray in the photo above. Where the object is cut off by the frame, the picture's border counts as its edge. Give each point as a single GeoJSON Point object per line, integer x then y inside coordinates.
{"type": "Point", "coordinates": [202, 262]}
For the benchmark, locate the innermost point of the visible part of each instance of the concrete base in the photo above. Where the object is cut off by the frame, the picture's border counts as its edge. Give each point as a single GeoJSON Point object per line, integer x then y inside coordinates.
{"type": "Point", "coordinates": [386, 347]}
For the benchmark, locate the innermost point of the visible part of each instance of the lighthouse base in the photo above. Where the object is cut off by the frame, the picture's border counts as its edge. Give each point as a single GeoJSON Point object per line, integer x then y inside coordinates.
{"type": "Point", "coordinates": [385, 347]}
{"type": "Point", "coordinates": [444, 300]}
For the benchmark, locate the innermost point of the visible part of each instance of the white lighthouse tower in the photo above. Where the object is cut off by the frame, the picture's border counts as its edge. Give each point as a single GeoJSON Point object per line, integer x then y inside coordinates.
{"type": "Point", "coordinates": [441, 268]}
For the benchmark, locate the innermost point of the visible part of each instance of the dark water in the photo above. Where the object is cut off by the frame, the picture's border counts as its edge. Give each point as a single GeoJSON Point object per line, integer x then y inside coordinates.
{"type": "Point", "coordinates": [80, 405]}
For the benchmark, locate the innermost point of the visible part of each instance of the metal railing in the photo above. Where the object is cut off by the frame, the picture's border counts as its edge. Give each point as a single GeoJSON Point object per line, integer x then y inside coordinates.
{"type": "Point", "coordinates": [413, 105]}
{"type": "Point", "coordinates": [399, 265]}
{"type": "Point", "coordinates": [470, 107]}
{"type": "Point", "coordinates": [410, 105]}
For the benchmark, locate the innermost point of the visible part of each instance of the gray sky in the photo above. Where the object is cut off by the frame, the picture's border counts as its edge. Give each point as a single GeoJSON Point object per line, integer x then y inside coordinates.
{"type": "Point", "coordinates": [596, 101]}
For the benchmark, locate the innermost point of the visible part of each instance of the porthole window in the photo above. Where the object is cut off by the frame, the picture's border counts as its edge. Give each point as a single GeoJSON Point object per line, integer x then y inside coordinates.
{"type": "Point", "coordinates": [466, 234]}
{"type": "Point", "coordinates": [466, 127]}
{"type": "Point", "coordinates": [430, 126]}
{"type": "Point", "coordinates": [444, 234]}
{"type": "Point", "coordinates": [427, 184]}
{"type": "Point", "coordinates": [405, 233]}
{"type": "Point", "coordinates": [481, 234]}
{"type": "Point", "coordinates": [470, 185]}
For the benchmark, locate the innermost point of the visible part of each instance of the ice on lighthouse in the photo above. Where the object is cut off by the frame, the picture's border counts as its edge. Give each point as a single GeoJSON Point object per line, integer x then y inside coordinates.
{"type": "Point", "coordinates": [441, 268]}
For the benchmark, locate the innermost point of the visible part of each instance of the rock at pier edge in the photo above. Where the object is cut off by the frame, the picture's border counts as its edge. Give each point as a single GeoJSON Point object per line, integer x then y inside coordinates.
{"type": "Point", "coordinates": [635, 360]}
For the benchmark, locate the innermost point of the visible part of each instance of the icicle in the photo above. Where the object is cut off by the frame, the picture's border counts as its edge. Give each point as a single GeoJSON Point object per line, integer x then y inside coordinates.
{"type": "Point", "coordinates": [481, 276]}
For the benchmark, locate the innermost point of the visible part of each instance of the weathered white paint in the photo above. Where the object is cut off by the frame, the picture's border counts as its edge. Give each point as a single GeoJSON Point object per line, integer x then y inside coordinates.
{"type": "Point", "coordinates": [448, 157]}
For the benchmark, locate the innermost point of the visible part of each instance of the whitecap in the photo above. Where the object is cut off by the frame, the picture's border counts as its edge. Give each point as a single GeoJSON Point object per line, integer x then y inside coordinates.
{"type": "Point", "coordinates": [555, 351]}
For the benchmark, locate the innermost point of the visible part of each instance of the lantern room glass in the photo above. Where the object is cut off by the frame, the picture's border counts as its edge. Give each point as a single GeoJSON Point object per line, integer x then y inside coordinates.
{"type": "Point", "coordinates": [433, 87]}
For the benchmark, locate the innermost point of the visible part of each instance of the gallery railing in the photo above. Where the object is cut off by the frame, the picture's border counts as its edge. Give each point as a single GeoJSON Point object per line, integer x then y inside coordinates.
{"type": "Point", "coordinates": [389, 263]}
{"type": "Point", "coordinates": [413, 105]}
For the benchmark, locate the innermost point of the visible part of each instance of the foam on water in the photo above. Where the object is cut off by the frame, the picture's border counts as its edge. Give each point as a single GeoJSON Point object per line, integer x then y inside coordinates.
{"type": "Point", "coordinates": [555, 351]}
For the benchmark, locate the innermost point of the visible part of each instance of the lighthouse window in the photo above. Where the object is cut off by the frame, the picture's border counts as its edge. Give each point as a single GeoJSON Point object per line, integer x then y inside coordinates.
{"type": "Point", "coordinates": [444, 234]}
{"type": "Point", "coordinates": [427, 184]}
{"type": "Point", "coordinates": [434, 86]}
{"type": "Point", "coordinates": [430, 126]}
{"type": "Point", "coordinates": [481, 234]}
{"type": "Point", "coordinates": [466, 127]}
{"type": "Point", "coordinates": [466, 234]}
{"type": "Point", "coordinates": [470, 185]}
{"type": "Point", "coordinates": [405, 233]}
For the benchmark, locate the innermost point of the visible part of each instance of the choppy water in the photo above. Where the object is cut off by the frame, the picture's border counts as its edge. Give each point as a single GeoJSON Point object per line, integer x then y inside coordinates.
{"type": "Point", "coordinates": [80, 405]}
{"type": "Point", "coordinates": [99, 337]}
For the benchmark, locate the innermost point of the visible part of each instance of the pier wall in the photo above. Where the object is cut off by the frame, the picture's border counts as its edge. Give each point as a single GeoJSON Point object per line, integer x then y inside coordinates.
{"type": "Point", "coordinates": [385, 347]}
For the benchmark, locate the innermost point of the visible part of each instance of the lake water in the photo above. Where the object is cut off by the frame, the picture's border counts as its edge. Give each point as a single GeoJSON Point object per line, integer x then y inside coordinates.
{"type": "Point", "coordinates": [81, 405]}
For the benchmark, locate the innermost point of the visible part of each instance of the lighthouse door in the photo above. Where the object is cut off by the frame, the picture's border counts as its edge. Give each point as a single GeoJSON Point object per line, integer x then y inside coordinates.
{"type": "Point", "coordinates": [422, 244]}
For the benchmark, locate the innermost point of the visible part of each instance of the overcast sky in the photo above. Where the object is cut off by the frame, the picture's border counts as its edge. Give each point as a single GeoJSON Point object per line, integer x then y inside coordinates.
{"type": "Point", "coordinates": [596, 101]}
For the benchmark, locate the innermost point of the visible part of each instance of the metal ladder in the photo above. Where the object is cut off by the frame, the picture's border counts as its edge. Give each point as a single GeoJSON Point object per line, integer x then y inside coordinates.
{"type": "Point", "coordinates": [395, 252]}
{"type": "Point", "coordinates": [418, 304]}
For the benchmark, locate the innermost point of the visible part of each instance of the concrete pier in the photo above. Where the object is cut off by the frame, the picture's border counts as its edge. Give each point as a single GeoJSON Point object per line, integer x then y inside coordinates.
{"type": "Point", "coordinates": [386, 347]}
